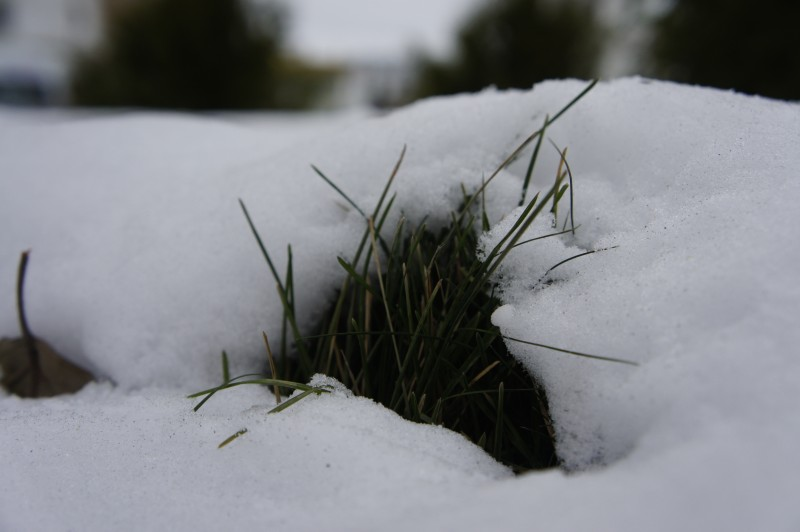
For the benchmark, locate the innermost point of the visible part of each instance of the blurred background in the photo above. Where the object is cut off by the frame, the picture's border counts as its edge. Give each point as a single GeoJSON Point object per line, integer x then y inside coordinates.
{"type": "Point", "coordinates": [334, 54]}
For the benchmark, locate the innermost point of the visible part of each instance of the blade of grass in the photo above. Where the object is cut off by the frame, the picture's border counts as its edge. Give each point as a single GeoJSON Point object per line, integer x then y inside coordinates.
{"type": "Point", "coordinates": [272, 368]}
{"type": "Point", "coordinates": [230, 438]}
{"type": "Point", "coordinates": [290, 299]}
{"type": "Point", "coordinates": [358, 278]}
{"type": "Point", "coordinates": [285, 298]}
{"type": "Point", "coordinates": [265, 381]}
{"type": "Point", "coordinates": [389, 320]}
{"type": "Point", "coordinates": [571, 352]}
{"type": "Point", "coordinates": [340, 191]}
{"type": "Point", "coordinates": [483, 373]}
{"type": "Point", "coordinates": [579, 255]}
{"type": "Point", "coordinates": [563, 155]}
{"type": "Point", "coordinates": [564, 232]}
{"type": "Point", "coordinates": [532, 163]}
{"type": "Point", "coordinates": [299, 397]}
{"type": "Point", "coordinates": [533, 136]}
{"type": "Point", "coordinates": [498, 431]}
{"type": "Point", "coordinates": [389, 182]}
{"type": "Point", "coordinates": [226, 374]}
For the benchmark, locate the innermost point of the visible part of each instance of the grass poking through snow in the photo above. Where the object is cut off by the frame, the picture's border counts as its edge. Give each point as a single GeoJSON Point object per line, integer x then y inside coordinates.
{"type": "Point", "coordinates": [411, 329]}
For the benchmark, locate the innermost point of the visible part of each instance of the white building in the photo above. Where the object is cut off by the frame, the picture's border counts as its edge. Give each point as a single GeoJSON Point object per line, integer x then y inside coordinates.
{"type": "Point", "coordinates": [38, 39]}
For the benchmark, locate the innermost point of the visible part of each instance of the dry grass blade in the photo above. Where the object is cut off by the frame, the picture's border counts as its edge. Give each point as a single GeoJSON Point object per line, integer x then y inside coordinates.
{"type": "Point", "coordinates": [230, 438]}
{"type": "Point", "coordinates": [29, 366]}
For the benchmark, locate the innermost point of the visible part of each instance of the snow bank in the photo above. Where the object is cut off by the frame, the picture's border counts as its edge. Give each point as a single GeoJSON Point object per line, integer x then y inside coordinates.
{"type": "Point", "coordinates": [698, 188]}
{"type": "Point", "coordinates": [143, 267]}
{"type": "Point", "coordinates": [144, 461]}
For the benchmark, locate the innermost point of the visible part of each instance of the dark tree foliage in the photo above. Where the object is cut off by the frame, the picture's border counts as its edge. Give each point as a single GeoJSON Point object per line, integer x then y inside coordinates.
{"type": "Point", "coordinates": [181, 54]}
{"type": "Point", "coordinates": [749, 46]}
{"type": "Point", "coordinates": [5, 15]}
{"type": "Point", "coordinates": [516, 43]}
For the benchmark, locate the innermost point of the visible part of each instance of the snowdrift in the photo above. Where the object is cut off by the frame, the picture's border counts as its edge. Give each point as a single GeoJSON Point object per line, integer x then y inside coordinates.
{"type": "Point", "coordinates": [143, 270]}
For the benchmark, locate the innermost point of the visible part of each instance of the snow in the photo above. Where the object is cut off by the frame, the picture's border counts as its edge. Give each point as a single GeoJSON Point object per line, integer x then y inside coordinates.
{"type": "Point", "coordinates": [298, 468]}
{"type": "Point", "coordinates": [143, 268]}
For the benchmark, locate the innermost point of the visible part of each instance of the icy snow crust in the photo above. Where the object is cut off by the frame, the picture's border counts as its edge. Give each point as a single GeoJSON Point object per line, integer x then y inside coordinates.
{"type": "Point", "coordinates": [143, 268]}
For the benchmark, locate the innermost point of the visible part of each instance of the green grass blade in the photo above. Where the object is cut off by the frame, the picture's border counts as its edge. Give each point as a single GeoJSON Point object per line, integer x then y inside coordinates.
{"type": "Point", "coordinates": [290, 300]}
{"type": "Point", "coordinates": [564, 232]}
{"type": "Point", "coordinates": [261, 245]}
{"type": "Point", "coordinates": [536, 134]}
{"type": "Point", "coordinates": [286, 301]}
{"type": "Point", "coordinates": [293, 400]}
{"type": "Point", "coordinates": [565, 162]}
{"type": "Point", "coordinates": [571, 352]}
{"type": "Point", "coordinates": [199, 405]}
{"type": "Point", "coordinates": [532, 163]}
{"type": "Point", "coordinates": [388, 185]}
{"type": "Point", "coordinates": [579, 255]}
{"type": "Point", "coordinates": [358, 278]}
{"type": "Point", "coordinates": [265, 381]}
{"type": "Point", "coordinates": [340, 191]}
{"type": "Point", "coordinates": [499, 421]}
{"type": "Point", "coordinates": [226, 374]}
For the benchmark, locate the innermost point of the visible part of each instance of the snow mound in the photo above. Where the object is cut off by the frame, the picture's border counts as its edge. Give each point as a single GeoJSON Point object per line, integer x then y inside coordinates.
{"type": "Point", "coordinates": [144, 269]}
{"type": "Point", "coordinates": [698, 189]}
{"type": "Point", "coordinates": [143, 460]}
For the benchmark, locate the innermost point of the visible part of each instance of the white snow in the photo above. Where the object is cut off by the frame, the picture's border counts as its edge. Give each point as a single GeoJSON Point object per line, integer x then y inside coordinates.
{"type": "Point", "coordinates": [143, 268]}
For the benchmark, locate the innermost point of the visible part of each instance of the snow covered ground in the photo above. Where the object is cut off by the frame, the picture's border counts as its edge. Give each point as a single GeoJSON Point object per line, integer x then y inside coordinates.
{"type": "Point", "coordinates": [142, 269]}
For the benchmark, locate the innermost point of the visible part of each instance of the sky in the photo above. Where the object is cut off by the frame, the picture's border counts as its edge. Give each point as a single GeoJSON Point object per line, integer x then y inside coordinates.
{"type": "Point", "coordinates": [373, 29]}
{"type": "Point", "coordinates": [346, 30]}
{"type": "Point", "coordinates": [392, 30]}
{"type": "Point", "coordinates": [322, 29]}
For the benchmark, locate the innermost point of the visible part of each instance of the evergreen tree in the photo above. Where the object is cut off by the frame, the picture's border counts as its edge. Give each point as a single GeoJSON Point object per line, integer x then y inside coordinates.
{"type": "Point", "coordinates": [749, 46]}
{"type": "Point", "coordinates": [516, 43]}
{"type": "Point", "coordinates": [181, 54]}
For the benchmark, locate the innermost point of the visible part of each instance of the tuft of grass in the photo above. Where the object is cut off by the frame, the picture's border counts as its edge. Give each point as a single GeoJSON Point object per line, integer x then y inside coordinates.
{"type": "Point", "coordinates": [411, 327]}
{"type": "Point", "coordinates": [257, 378]}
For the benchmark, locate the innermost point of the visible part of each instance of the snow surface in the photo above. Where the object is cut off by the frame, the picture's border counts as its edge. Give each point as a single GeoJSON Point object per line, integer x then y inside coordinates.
{"type": "Point", "coordinates": [143, 268]}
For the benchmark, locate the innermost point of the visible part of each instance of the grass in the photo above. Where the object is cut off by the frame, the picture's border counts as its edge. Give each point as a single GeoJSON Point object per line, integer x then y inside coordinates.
{"type": "Point", "coordinates": [410, 326]}
{"type": "Point", "coordinates": [411, 329]}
